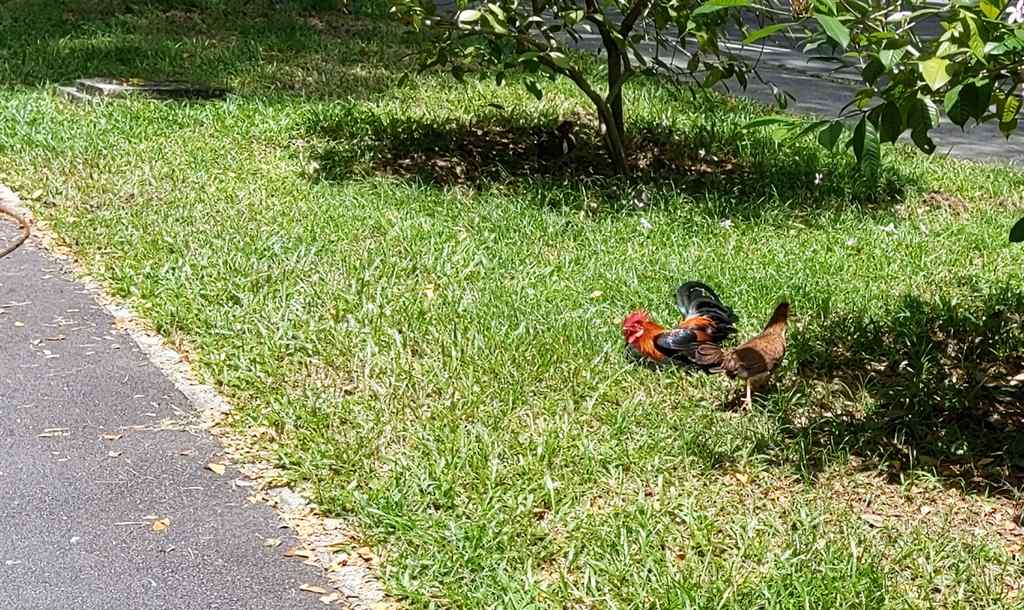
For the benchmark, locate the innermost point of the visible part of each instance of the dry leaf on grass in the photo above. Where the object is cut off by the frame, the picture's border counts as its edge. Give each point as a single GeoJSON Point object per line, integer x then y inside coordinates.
{"type": "Point", "coordinates": [216, 468]}
{"type": "Point", "coordinates": [366, 553]}
{"type": "Point", "coordinates": [873, 520]}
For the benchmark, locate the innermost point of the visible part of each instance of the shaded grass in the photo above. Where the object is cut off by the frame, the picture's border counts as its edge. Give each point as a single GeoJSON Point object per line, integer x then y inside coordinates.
{"type": "Point", "coordinates": [441, 361]}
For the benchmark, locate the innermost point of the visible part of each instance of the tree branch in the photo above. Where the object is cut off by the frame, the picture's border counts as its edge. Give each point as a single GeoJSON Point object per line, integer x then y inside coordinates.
{"type": "Point", "coordinates": [634, 13]}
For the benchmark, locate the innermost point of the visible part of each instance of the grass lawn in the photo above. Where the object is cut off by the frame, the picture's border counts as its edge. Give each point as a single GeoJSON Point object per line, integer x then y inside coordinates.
{"type": "Point", "coordinates": [429, 325]}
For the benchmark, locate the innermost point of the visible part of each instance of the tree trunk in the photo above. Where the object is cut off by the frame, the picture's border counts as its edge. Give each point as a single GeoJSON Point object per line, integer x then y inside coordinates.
{"type": "Point", "coordinates": [613, 138]}
{"type": "Point", "coordinates": [615, 133]}
{"type": "Point", "coordinates": [615, 83]}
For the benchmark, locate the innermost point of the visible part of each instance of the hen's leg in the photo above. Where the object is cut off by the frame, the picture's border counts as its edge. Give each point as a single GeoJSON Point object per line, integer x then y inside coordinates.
{"type": "Point", "coordinates": [748, 403]}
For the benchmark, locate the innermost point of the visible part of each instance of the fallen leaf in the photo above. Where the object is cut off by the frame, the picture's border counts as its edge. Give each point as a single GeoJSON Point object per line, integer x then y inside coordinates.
{"type": "Point", "coordinates": [597, 294]}
{"type": "Point", "coordinates": [330, 599]}
{"type": "Point", "coordinates": [298, 552]}
{"type": "Point", "coordinates": [313, 589]}
{"type": "Point", "coordinates": [366, 553]}
{"type": "Point", "coordinates": [873, 520]}
{"type": "Point", "coordinates": [161, 524]}
{"type": "Point", "coordinates": [216, 468]}
{"type": "Point", "coordinates": [272, 542]}
{"type": "Point", "coordinates": [112, 437]}
{"type": "Point", "coordinates": [333, 524]}
{"type": "Point", "coordinates": [741, 477]}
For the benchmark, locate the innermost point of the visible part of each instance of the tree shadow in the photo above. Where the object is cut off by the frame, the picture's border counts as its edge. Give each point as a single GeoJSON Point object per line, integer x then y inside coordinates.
{"type": "Point", "coordinates": [945, 385]}
{"type": "Point", "coordinates": [737, 167]}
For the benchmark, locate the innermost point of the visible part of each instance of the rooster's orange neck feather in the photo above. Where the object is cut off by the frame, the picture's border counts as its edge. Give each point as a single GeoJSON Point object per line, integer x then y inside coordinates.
{"type": "Point", "coordinates": [645, 343]}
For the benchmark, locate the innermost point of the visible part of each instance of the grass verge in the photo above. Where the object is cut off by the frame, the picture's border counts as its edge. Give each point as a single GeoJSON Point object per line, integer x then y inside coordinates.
{"type": "Point", "coordinates": [363, 268]}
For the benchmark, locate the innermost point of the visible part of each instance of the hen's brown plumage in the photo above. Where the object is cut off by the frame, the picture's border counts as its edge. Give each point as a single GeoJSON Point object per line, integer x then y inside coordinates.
{"type": "Point", "coordinates": [753, 361]}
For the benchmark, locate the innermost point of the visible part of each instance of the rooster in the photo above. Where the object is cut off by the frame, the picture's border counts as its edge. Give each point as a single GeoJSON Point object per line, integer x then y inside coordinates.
{"type": "Point", "coordinates": [753, 361]}
{"type": "Point", "coordinates": [706, 320]}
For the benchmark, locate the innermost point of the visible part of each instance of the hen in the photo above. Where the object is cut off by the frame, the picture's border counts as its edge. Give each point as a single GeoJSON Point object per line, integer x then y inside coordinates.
{"type": "Point", "coordinates": [706, 320]}
{"type": "Point", "coordinates": [753, 361]}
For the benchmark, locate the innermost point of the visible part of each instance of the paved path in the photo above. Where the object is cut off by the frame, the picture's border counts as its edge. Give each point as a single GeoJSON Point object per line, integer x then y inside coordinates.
{"type": "Point", "coordinates": [76, 509]}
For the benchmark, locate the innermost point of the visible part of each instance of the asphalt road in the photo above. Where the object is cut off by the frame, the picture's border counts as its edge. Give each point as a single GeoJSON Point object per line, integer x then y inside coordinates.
{"type": "Point", "coordinates": [76, 509]}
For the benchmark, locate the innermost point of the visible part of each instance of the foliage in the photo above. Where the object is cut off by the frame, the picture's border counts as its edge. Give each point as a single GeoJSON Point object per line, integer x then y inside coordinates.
{"type": "Point", "coordinates": [500, 36]}
{"type": "Point", "coordinates": [916, 60]}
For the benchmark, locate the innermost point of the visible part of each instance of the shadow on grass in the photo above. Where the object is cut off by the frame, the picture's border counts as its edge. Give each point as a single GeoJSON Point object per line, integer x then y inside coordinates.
{"type": "Point", "coordinates": [712, 156]}
{"type": "Point", "coordinates": [946, 385]}
{"type": "Point", "coordinates": [294, 47]}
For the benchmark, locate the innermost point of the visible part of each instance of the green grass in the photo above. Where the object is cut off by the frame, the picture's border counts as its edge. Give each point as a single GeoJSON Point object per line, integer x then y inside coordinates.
{"type": "Point", "coordinates": [441, 360]}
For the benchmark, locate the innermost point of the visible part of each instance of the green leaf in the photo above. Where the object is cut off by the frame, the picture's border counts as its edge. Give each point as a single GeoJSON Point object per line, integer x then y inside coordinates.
{"type": "Point", "coordinates": [935, 72]}
{"type": "Point", "coordinates": [890, 124]}
{"type": "Point", "coordinates": [825, 7]}
{"type": "Point", "coordinates": [974, 41]}
{"type": "Point", "coordinates": [713, 76]}
{"type": "Point", "coordinates": [495, 24]}
{"type": "Point", "coordinates": [764, 32]}
{"type": "Point", "coordinates": [829, 136]}
{"type": "Point", "coordinates": [835, 29]}
{"type": "Point", "coordinates": [534, 88]}
{"type": "Point", "coordinates": [559, 59]}
{"type": "Point", "coordinates": [922, 140]}
{"type": "Point", "coordinates": [1008, 127]}
{"type": "Point", "coordinates": [922, 116]}
{"type": "Point", "coordinates": [769, 121]}
{"type": "Point", "coordinates": [468, 16]}
{"type": "Point", "coordinates": [955, 108]}
{"type": "Point", "coordinates": [891, 56]}
{"type": "Point", "coordinates": [573, 17]}
{"type": "Point", "coordinates": [990, 9]}
{"type": "Point", "coordinates": [874, 69]}
{"type": "Point", "coordinates": [717, 5]}
{"type": "Point", "coordinates": [932, 110]}
{"type": "Point", "coordinates": [1008, 107]}
{"type": "Point", "coordinates": [866, 147]}
{"type": "Point", "coordinates": [1017, 232]}
{"type": "Point", "coordinates": [809, 128]}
